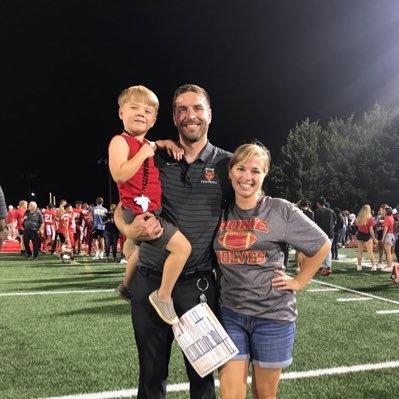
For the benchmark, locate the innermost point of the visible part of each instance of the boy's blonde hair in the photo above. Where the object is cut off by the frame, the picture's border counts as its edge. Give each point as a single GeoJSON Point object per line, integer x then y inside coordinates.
{"type": "Point", "coordinates": [246, 151]}
{"type": "Point", "coordinates": [139, 94]}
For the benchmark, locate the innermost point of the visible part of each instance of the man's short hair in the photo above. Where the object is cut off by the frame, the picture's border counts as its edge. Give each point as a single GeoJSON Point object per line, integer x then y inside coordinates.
{"type": "Point", "coordinates": [388, 211]}
{"type": "Point", "coordinates": [139, 94]}
{"type": "Point", "coordinates": [303, 203]}
{"type": "Point", "coordinates": [99, 201]}
{"type": "Point", "coordinates": [384, 206]}
{"type": "Point", "coordinates": [193, 88]}
{"type": "Point", "coordinates": [322, 201]}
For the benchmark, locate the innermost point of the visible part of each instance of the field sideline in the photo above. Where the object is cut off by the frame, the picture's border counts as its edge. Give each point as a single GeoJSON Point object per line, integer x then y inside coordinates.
{"type": "Point", "coordinates": [65, 334]}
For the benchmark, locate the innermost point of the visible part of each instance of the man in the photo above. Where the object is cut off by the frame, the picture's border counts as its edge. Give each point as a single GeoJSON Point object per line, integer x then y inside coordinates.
{"type": "Point", "coordinates": [3, 215]}
{"type": "Point", "coordinates": [11, 223]}
{"type": "Point", "coordinates": [194, 192]}
{"type": "Point", "coordinates": [33, 223]}
{"type": "Point", "coordinates": [78, 227]}
{"type": "Point", "coordinates": [326, 219]}
{"type": "Point", "coordinates": [99, 213]}
{"type": "Point", "coordinates": [19, 213]}
{"type": "Point", "coordinates": [49, 215]}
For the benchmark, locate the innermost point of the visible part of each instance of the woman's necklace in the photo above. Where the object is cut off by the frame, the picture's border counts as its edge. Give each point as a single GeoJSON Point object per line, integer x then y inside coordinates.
{"type": "Point", "coordinates": [142, 200]}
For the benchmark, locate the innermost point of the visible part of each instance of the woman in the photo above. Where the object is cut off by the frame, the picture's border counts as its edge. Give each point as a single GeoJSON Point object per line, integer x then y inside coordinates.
{"type": "Point", "coordinates": [388, 237]}
{"type": "Point", "coordinates": [365, 236]}
{"type": "Point", "coordinates": [257, 301]}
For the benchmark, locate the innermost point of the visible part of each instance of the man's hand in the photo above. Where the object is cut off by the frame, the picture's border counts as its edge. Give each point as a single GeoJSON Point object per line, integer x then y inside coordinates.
{"type": "Point", "coordinates": [145, 227]}
{"type": "Point", "coordinates": [171, 147]}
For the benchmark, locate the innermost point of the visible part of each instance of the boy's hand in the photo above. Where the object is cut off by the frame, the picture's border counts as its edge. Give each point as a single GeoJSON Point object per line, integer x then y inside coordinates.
{"type": "Point", "coordinates": [173, 149]}
{"type": "Point", "coordinates": [147, 150]}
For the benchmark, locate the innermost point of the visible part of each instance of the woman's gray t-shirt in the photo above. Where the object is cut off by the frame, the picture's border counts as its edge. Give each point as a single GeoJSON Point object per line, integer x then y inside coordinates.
{"type": "Point", "coordinates": [249, 247]}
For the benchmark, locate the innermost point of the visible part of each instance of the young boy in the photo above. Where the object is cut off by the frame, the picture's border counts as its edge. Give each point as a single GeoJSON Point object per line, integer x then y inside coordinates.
{"type": "Point", "coordinates": [132, 166]}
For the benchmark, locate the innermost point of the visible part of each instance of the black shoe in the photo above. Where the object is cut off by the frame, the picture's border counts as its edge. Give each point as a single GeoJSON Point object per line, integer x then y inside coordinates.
{"type": "Point", "coordinates": [34, 258]}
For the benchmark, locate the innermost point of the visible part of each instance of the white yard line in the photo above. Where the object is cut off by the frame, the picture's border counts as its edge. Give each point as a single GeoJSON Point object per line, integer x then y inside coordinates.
{"type": "Point", "coordinates": [11, 294]}
{"type": "Point", "coordinates": [387, 311]}
{"type": "Point", "coordinates": [353, 299]}
{"type": "Point", "coordinates": [322, 290]}
{"type": "Point", "coordinates": [294, 375]}
{"type": "Point", "coordinates": [343, 270]}
{"type": "Point", "coordinates": [355, 292]}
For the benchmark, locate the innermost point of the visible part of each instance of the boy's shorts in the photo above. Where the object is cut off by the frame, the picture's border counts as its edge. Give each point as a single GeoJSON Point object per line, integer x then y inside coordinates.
{"type": "Point", "coordinates": [267, 343]}
{"type": "Point", "coordinates": [169, 230]}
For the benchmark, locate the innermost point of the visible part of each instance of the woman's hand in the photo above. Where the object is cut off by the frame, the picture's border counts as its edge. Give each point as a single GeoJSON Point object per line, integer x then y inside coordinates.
{"type": "Point", "coordinates": [283, 282]}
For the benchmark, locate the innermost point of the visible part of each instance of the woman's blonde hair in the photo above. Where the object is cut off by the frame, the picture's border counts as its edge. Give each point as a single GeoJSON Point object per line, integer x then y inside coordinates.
{"type": "Point", "coordinates": [247, 151]}
{"type": "Point", "coordinates": [363, 216]}
{"type": "Point", "coordinates": [139, 94]}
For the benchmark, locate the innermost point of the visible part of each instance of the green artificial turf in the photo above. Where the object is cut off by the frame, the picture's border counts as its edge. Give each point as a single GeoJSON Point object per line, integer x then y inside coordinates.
{"type": "Point", "coordinates": [65, 344]}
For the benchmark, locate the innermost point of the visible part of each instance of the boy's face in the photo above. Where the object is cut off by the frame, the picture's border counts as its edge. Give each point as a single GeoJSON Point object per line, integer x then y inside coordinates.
{"type": "Point", "coordinates": [137, 117]}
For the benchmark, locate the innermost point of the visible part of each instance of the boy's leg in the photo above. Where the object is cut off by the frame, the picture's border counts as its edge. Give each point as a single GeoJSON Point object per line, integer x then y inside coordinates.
{"type": "Point", "coordinates": [180, 250]}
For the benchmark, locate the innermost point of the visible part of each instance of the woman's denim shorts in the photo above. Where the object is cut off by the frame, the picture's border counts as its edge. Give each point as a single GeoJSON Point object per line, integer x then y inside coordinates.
{"type": "Point", "coordinates": [267, 343]}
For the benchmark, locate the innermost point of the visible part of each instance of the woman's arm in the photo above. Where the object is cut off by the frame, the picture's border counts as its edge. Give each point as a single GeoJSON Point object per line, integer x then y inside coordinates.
{"type": "Point", "coordinates": [309, 268]}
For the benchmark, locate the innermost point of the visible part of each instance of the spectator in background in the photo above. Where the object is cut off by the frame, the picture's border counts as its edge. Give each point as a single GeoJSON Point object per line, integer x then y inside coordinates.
{"type": "Point", "coordinates": [345, 217]}
{"type": "Point", "coordinates": [339, 225]}
{"type": "Point", "coordinates": [388, 237]}
{"type": "Point", "coordinates": [379, 229]}
{"type": "Point", "coordinates": [12, 223]}
{"type": "Point", "coordinates": [3, 215]}
{"type": "Point", "coordinates": [33, 224]}
{"type": "Point", "coordinates": [111, 234]}
{"type": "Point", "coordinates": [365, 236]}
{"type": "Point", "coordinates": [304, 206]}
{"type": "Point", "coordinates": [325, 218]}
{"type": "Point", "coordinates": [98, 213]}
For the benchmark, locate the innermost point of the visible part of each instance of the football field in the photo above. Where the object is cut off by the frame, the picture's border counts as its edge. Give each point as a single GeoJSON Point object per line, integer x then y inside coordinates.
{"type": "Point", "coordinates": [64, 333]}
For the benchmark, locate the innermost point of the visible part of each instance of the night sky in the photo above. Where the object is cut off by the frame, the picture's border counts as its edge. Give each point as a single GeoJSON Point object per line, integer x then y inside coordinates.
{"type": "Point", "coordinates": [266, 65]}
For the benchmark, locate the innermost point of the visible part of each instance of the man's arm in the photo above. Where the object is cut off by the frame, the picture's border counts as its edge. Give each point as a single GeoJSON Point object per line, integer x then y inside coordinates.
{"type": "Point", "coordinates": [145, 227]}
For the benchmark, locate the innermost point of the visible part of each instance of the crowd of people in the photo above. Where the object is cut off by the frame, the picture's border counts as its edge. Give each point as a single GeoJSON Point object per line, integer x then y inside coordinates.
{"type": "Point", "coordinates": [364, 231]}
{"type": "Point", "coordinates": [65, 229]}
{"type": "Point", "coordinates": [188, 209]}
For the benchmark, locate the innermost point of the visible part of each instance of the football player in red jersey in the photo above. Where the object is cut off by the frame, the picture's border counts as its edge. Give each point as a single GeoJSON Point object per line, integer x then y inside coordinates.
{"type": "Point", "coordinates": [20, 213]}
{"type": "Point", "coordinates": [49, 215]}
{"type": "Point", "coordinates": [65, 230]}
{"type": "Point", "coordinates": [87, 225]}
{"type": "Point", "coordinates": [78, 227]}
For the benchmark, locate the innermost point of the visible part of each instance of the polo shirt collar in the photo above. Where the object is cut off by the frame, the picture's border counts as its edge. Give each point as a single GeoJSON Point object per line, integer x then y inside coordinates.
{"type": "Point", "coordinates": [206, 152]}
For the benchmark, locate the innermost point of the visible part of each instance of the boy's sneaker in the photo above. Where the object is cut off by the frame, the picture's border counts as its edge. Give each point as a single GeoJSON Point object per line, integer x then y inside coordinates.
{"type": "Point", "coordinates": [359, 268]}
{"type": "Point", "coordinates": [165, 310]}
{"type": "Point", "coordinates": [123, 292]}
{"type": "Point", "coordinates": [123, 261]}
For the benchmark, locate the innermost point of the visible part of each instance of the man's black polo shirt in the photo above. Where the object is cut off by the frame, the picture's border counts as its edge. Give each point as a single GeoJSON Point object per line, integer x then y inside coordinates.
{"type": "Point", "coordinates": [193, 196]}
